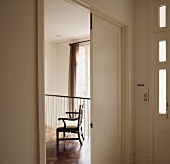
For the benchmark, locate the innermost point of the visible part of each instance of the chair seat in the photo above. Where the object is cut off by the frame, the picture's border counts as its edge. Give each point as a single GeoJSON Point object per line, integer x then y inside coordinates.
{"type": "Point", "coordinates": [67, 129]}
{"type": "Point", "coordinates": [72, 127]}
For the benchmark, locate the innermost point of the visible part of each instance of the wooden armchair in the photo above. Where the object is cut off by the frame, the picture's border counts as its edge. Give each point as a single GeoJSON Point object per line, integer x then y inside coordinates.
{"type": "Point", "coordinates": [71, 129]}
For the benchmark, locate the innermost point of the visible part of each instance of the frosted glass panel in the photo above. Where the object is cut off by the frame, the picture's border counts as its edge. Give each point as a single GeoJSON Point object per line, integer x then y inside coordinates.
{"type": "Point", "coordinates": [162, 51]}
{"type": "Point", "coordinates": [162, 91]}
{"type": "Point", "coordinates": [162, 16]}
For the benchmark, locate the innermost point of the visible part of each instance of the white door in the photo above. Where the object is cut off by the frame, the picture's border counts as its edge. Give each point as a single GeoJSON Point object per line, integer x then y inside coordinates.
{"type": "Point", "coordinates": [162, 101]}
{"type": "Point", "coordinates": [105, 92]}
{"type": "Point", "coordinates": [161, 135]}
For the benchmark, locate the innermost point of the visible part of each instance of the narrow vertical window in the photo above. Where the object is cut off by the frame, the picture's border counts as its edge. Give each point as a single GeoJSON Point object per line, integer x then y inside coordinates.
{"type": "Point", "coordinates": [83, 72]}
{"type": "Point", "coordinates": [162, 16]}
{"type": "Point", "coordinates": [162, 91]}
{"type": "Point", "coordinates": [162, 51]}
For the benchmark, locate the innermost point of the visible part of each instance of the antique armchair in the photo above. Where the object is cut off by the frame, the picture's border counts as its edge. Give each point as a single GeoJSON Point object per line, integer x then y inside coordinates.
{"type": "Point", "coordinates": [67, 128]}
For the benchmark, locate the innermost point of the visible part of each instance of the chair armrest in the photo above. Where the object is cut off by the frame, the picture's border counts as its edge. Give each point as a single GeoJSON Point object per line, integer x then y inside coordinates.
{"type": "Point", "coordinates": [67, 119]}
{"type": "Point", "coordinates": [71, 113]}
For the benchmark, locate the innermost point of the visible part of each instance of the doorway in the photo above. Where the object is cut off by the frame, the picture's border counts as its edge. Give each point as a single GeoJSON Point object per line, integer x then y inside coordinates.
{"type": "Point", "coordinates": [125, 109]}
{"type": "Point", "coordinates": [65, 25]}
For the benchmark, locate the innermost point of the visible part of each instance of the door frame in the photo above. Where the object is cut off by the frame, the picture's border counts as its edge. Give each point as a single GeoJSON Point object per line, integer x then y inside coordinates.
{"type": "Point", "coordinates": [126, 76]}
{"type": "Point", "coordinates": [151, 82]}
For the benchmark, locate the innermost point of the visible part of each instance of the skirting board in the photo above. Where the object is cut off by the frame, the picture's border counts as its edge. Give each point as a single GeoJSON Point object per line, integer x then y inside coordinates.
{"type": "Point", "coordinates": [141, 160]}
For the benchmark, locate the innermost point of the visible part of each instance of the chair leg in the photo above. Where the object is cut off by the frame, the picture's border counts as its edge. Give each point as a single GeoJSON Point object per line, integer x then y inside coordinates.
{"type": "Point", "coordinates": [82, 133]}
{"type": "Point", "coordinates": [64, 134]}
{"type": "Point", "coordinates": [82, 136]}
{"type": "Point", "coordinates": [79, 138]}
{"type": "Point", "coordinates": [57, 139]}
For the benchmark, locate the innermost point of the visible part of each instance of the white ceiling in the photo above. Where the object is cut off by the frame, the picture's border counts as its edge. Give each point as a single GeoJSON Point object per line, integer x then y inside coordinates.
{"type": "Point", "coordinates": [65, 19]}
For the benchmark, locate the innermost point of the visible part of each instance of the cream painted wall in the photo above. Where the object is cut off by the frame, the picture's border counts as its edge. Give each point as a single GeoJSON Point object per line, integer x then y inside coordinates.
{"type": "Point", "coordinates": [18, 85]}
{"type": "Point", "coordinates": [141, 77]}
{"type": "Point", "coordinates": [56, 68]}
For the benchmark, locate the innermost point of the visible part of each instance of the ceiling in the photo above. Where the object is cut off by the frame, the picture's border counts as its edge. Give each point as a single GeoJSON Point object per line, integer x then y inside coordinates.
{"type": "Point", "coordinates": [65, 21]}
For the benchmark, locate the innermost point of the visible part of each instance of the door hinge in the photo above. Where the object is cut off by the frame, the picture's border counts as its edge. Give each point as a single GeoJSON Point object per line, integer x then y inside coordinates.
{"type": "Point", "coordinates": [90, 21]}
{"type": "Point", "coordinates": [91, 125]}
{"type": "Point", "coordinates": [167, 110]}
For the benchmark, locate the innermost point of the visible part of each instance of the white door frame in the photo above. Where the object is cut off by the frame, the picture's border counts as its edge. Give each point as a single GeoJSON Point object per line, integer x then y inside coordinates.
{"type": "Point", "coordinates": [40, 82]}
{"type": "Point", "coordinates": [127, 80]}
{"type": "Point", "coordinates": [151, 80]}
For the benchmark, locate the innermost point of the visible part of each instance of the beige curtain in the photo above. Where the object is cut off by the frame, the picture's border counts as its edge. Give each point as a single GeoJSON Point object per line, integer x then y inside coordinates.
{"type": "Point", "coordinates": [74, 52]}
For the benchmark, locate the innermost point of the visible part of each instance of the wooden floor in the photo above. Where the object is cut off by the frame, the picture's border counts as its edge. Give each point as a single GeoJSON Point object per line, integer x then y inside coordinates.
{"type": "Point", "coordinates": [69, 152]}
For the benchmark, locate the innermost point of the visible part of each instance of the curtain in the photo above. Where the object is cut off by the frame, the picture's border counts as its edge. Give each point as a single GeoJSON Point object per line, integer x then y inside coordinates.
{"type": "Point", "coordinates": [74, 52]}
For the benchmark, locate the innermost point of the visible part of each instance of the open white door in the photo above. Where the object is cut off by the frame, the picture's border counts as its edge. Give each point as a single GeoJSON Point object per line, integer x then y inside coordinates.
{"type": "Point", "coordinates": [105, 92]}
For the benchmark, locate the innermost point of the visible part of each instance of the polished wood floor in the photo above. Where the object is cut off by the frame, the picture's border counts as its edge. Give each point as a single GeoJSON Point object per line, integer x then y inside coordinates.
{"type": "Point", "coordinates": [69, 152]}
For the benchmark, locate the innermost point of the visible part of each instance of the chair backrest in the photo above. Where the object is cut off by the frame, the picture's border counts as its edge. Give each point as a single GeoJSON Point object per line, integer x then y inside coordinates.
{"type": "Point", "coordinates": [80, 117]}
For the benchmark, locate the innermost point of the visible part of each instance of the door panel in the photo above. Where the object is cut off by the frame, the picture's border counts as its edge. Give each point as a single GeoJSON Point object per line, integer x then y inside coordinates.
{"type": "Point", "coordinates": [105, 92]}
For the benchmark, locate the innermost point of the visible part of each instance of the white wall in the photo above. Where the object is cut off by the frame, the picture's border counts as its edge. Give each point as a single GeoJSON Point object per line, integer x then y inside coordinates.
{"type": "Point", "coordinates": [18, 85]}
{"type": "Point", "coordinates": [141, 77]}
{"type": "Point", "coordinates": [56, 68]}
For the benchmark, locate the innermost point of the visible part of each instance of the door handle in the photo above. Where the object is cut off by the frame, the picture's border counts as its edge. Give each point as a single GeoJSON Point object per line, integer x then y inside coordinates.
{"type": "Point", "coordinates": [91, 125]}
{"type": "Point", "coordinates": [167, 110]}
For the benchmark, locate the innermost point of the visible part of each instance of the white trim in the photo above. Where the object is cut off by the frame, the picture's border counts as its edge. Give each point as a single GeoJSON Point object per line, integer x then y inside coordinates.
{"type": "Point", "coordinates": [40, 81]}
{"type": "Point", "coordinates": [126, 125]}
{"type": "Point", "coordinates": [151, 79]}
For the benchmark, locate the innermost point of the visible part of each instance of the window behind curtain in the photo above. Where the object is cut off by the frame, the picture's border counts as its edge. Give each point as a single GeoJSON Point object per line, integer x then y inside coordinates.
{"type": "Point", "coordinates": [83, 72]}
